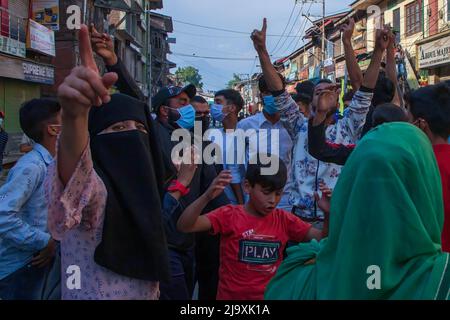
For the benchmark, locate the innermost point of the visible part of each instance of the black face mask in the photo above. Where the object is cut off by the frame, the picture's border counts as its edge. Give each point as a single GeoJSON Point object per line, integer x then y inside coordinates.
{"type": "Point", "coordinates": [173, 117]}
{"type": "Point", "coordinates": [205, 120]}
{"type": "Point", "coordinates": [133, 241]}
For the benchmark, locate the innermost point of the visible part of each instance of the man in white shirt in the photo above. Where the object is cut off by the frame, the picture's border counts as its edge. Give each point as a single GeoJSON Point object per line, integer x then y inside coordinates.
{"type": "Point", "coordinates": [227, 105]}
{"type": "Point", "coordinates": [271, 135]}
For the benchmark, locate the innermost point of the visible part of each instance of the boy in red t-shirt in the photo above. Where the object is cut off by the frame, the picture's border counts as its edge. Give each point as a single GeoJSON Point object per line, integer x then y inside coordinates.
{"type": "Point", "coordinates": [254, 235]}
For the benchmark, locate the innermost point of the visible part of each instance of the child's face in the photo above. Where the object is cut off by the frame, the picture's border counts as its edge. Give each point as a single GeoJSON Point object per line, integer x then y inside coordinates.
{"type": "Point", "coordinates": [263, 200]}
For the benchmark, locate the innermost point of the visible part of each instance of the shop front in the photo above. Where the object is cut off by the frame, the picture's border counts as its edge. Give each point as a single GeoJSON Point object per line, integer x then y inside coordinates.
{"type": "Point", "coordinates": [20, 81]}
{"type": "Point", "coordinates": [433, 59]}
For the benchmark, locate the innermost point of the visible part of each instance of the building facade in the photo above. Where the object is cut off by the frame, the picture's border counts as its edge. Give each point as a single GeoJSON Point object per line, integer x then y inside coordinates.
{"type": "Point", "coordinates": [26, 68]}
{"type": "Point", "coordinates": [160, 27]}
{"type": "Point", "coordinates": [422, 30]}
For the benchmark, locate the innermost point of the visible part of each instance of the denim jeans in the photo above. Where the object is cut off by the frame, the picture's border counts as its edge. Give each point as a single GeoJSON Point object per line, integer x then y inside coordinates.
{"type": "Point", "coordinates": [33, 283]}
{"type": "Point", "coordinates": [181, 285]}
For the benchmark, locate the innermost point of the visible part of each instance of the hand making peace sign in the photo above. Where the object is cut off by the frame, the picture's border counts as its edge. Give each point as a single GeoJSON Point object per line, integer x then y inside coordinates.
{"type": "Point", "coordinates": [84, 87]}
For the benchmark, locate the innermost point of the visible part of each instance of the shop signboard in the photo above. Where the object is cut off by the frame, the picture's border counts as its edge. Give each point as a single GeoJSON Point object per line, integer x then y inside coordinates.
{"type": "Point", "coordinates": [434, 53]}
{"type": "Point", "coordinates": [46, 12]}
{"type": "Point", "coordinates": [40, 38]}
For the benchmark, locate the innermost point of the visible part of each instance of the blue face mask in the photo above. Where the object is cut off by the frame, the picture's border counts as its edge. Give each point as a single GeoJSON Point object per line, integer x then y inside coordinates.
{"type": "Point", "coordinates": [1, 122]}
{"type": "Point", "coordinates": [187, 117]}
{"type": "Point", "coordinates": [217, 112]}
{"type": "Point", "coordinates": [269, 105]}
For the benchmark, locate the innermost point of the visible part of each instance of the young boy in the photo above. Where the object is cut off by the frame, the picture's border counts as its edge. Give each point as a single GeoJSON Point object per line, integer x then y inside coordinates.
{"type": "Point", "coordinates": [253, 236]}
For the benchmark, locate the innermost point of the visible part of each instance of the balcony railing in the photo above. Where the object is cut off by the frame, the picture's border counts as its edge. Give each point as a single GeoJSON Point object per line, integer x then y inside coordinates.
{"type": "Point", "coordinates": [12, 33]}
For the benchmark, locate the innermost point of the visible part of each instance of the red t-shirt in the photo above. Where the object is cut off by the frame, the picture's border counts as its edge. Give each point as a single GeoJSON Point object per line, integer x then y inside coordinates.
{"type": "Point", "coordinates": [442, 152]}
{"type": "Point", "coordinates": [251, 249]}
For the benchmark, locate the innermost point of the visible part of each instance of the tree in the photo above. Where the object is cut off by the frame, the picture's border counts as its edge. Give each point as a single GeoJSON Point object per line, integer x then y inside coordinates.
{"type": "Point", "coordinates": [190, 75]}
{"type": "Point", "coordinates": [236, 79]}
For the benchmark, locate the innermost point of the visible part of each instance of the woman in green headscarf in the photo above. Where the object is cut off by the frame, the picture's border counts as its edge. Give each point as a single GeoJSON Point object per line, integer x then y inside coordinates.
{"type": "Point", "coordinates": [385, 228]}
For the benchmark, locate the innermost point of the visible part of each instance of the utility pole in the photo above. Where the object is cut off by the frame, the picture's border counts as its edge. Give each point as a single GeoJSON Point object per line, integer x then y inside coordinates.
{"type": "Point", "coordinates": [323, 39]}
{"type": "Point", "coordinates": [322, 63]}
{"type": "Point", "coordinates": [148, 57]}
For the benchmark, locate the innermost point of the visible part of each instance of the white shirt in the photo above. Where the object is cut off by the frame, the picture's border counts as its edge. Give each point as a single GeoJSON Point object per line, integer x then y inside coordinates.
{"type": "Point", "coordinates": [282, 147]}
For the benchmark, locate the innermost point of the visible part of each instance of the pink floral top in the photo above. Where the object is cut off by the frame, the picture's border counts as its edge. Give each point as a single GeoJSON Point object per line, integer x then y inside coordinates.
{"type": "Point", "coordinates": [75, 218]}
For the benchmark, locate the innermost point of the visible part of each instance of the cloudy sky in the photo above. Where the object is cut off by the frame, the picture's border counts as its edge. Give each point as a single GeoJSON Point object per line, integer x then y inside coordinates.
{"type": "Point", "coordinates": [235, 49]}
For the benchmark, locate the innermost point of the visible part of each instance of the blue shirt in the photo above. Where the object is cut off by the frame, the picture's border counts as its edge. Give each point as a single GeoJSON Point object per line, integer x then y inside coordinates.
{"type": "Point", "coordinates": [23, 211]}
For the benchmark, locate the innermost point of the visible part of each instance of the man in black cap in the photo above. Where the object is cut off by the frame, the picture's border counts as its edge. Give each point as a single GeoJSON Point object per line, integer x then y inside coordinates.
{"type": "Point", "coordinates": [173, 110]}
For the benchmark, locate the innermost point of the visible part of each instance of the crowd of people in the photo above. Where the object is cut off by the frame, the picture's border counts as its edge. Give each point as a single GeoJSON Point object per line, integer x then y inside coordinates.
{"type": "Point", "coordinates": [100, 207]}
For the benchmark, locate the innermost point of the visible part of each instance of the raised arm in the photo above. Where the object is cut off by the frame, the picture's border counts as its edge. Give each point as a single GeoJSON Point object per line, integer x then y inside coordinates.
{"type": "Point", "coordinates": [271, 76]}
{"type": "Point", "coordinates": [391, 69]}
{"type": "Point", "coordinates": [291, 117]}
{"type": "Point", "coordinates": [353, 122]}
{"type": "Point", "coordinates": [354, 71]}
{"type": "Point", "coordinates": [83, 88]}
{"type": "Point", "coordinates": [372, 73]}
{"type": "Point", "coordinates": [103, 45]}
{"type": "Point", "coordinates": [191, 220]}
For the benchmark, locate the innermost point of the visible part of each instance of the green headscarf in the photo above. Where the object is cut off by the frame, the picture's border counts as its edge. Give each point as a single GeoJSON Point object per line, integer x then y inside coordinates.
{"type": "Point", "coordinates": [386, 211]}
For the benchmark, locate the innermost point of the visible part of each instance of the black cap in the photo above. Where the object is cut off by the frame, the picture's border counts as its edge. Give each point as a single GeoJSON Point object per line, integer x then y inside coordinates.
{"type": "Point", "coordinates": [170, 92]}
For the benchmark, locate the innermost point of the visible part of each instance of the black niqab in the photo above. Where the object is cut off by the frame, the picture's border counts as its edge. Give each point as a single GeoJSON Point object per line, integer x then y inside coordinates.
{"type": "Point", "coordinates": [130, 165]}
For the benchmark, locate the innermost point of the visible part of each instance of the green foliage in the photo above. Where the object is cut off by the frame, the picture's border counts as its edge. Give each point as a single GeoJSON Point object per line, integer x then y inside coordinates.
{"type": "Point", "coordinates": [236, 79]}
{"type": "Point", "coordinates": [190, 75]}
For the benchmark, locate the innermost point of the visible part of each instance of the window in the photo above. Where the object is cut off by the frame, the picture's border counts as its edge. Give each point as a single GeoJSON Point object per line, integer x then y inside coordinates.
{"type": "Point", "coordinates": [338, 48]}
{"type": "Point", "coordinates": [301, 60]}
{"type": "Point", "coordinates": [413, 17]}
{"type": "Point", "coordinates": [311, 57]}
{"type": "Point", "coordinates": [131, 24]}
{"type": "Point", "coordinates": [4, 18]}
{"type": "Point", "coordinates": [396, 22]}
{"type": "Point", "coordinates": [329, 51]}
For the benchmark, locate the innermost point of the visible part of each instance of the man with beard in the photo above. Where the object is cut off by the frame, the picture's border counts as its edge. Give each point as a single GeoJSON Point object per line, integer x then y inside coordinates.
{"type": "Point", "coordinates": [202, 112]}
{"type": "Point", "coordinates": [105, 210]}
